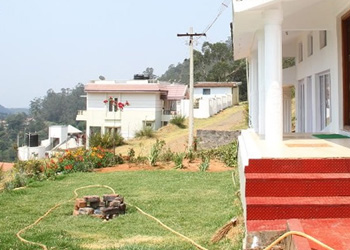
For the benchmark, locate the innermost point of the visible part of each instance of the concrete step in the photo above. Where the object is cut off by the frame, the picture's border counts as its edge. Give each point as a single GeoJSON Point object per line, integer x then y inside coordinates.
{"type": "Point", "coordinates": [324, 165]}
{"type": "Point", "coordinates": [297, 184]}
{"type": "Point", "coordinates": [277, 208]}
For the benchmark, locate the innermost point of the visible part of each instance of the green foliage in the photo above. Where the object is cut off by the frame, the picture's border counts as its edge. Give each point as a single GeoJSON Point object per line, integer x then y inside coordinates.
{"type": "Point", "coordinates": [79, 160]}
{"type": "Point", "coordinates": [190, 155]}
{"type": "Point", "coordinates": [155, 152]}
{"type": "Point", "coordinates": [178, 160]}
{"type": "Point", "coordinates": [147, 132]}
{"type": "Point", "coordinates": [178, 120]}
{"type": "Point", "coordinates": [227, 153]}
{"type": "Point", "coordinates": [213, 63]}
{"type": "Point", "coordinates": [205, 163]}
{"type": "Point", "coordinates": [166, 155]}
{"type": "Point", "coordinates": [131, 154]}
{"type": "Point", "coordinates": [107, 140]}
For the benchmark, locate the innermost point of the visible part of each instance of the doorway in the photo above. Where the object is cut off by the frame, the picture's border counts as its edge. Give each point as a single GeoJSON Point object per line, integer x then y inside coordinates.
{"type": "Point", "coordinates": [346, 69]}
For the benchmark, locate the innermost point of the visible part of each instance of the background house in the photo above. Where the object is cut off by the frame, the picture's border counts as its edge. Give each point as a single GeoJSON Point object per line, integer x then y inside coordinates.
{"type": "Point", "coordinates": [151, 104]}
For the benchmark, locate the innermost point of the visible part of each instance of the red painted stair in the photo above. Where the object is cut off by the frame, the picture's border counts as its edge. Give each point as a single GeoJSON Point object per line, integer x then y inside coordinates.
{"type": "Point", "coordinates": [281, 189]}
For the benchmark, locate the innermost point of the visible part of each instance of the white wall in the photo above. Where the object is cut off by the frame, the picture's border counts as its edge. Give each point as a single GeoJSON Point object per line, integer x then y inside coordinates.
{"type": "Point", "coordinates": [219, 91]}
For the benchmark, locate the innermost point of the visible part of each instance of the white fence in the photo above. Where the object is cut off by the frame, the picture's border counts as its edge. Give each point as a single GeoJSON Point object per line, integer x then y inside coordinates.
{"type": "Point", "coordinates": [207, 107]}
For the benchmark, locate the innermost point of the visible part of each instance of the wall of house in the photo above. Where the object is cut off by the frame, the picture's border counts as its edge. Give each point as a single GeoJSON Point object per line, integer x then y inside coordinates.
{"type": "Point", "coordinates": [198, 91]}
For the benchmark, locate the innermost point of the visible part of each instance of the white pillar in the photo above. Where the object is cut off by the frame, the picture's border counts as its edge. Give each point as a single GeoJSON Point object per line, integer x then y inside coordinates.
{"type": "Point", "coordinates": [254, 91]}
{"type": "Point", "coordinates": [261, 82]}
{"type": "Point", "coordinates": [273, 76]}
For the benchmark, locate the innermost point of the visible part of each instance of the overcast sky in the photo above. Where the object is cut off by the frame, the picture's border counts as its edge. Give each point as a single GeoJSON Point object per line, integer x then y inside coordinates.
{"type": "Point", "coordinates": [59, 43]}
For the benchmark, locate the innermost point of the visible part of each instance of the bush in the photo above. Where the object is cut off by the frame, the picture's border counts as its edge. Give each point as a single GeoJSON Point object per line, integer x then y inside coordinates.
{"type": "Point", "coordinates": [145, 132]}
{"type": "Point", "coordinates": [166, 156]}
{"type": "Point", "coordinates": [178, 160]}
{"type": "Point", "coordinates": [178, 120]}
{"type": "Point", "coordinates": [155, 152]}
{"type": "Point", "coordinates": [107, 140]}
{"type": "Point", "coordinates": [227, 153]}
{"type": "Point", "coordinates": [205, 163]}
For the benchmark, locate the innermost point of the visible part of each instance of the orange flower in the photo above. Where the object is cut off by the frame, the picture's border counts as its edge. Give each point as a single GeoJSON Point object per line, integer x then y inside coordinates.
{"type": "Point", "coordinates": [68, 167]}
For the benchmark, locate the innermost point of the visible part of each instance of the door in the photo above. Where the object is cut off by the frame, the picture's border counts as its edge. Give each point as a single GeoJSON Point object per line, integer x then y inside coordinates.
{"type": "Point", "coordinates": [346, 69]}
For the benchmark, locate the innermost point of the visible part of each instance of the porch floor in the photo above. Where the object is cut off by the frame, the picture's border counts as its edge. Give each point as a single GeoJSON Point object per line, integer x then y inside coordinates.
{"type": "Point", "coordinates": [296, 146]}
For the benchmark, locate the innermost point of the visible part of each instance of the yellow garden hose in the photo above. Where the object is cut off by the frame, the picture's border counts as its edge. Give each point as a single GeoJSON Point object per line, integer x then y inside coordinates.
{"type": "Point", "coordinates": [75, 196]}
{"type": "Point", "coordinates": [299, 234]}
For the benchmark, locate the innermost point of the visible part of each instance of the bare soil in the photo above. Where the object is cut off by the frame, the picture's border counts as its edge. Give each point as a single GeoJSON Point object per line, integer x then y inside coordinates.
{"type": "Point", "coordinates": [214, 166]}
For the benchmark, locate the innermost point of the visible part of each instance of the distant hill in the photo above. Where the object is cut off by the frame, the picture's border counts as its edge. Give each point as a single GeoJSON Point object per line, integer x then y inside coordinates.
{"type": "Point", "coordinates": [9, 111]}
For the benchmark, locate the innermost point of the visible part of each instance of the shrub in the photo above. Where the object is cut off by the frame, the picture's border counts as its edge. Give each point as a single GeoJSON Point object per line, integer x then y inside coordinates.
{"type": "Point", "coordinates": [227, 153]}
{"type": "Point", "coordinates": [178, 160]}
{"type": "Point", "coordinates": [167, 155]}
{"type": "Point", "coordinates": [155, 152]}
{"type": "Point", "coordinates": [205, 163]}
{"type": "Point", "coordinates": [190, 155]}
{"type": "Point", "coordinates": [145, 132]}
{"type": "Point", "coordinates": [178, 120]}
{"type": "Point", "coordinates": [107, 140]}
{"type": "Point", "coordinates": [131, 154]}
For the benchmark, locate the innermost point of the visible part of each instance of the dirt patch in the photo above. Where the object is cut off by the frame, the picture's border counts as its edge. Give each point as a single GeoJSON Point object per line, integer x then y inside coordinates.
{"type": "Point", "coordinates": [214, 166]}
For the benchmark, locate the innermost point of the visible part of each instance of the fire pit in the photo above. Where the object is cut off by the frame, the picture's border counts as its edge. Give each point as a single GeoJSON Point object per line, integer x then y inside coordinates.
{"type": "Point", "coordinates": [111, 206]}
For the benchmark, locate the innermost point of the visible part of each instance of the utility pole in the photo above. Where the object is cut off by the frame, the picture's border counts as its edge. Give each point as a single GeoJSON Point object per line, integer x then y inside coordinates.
{"type": "Point", "coordinates": [190, 114]}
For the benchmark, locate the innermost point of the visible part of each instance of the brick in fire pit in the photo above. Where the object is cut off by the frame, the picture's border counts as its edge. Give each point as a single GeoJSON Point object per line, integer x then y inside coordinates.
{"type": "Point", "coordinates": [86, 210]}
{"type": "Point", "coordinates": [92, 198]}
{"type": "Point", "coordinates": [109, 197]}
{"type": "Point", "coordinates": [79, 203]}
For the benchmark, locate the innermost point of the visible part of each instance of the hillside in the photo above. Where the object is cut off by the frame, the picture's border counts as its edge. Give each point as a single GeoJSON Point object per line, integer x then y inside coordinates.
{"type": "Point", "coordinates": [176, 138]}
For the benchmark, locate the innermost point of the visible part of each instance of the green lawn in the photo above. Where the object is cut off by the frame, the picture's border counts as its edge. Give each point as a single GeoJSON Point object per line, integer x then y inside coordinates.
{"type": "Point", "coordinates": [195, 204]}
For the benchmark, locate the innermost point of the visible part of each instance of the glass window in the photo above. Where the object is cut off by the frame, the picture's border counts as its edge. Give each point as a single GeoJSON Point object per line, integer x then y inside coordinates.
{"type": "Point", "coordinates": [325, 99]}
{"type": "Point", "coordinates": [323, 38]}
{"type": "Point", "coordinates": [206, 91]}
{"type": "Point", "coordinates": [112, 105]}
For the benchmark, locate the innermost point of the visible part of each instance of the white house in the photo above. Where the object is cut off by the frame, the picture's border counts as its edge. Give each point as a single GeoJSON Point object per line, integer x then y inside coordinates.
{"type": "Point", "coordinates": [217, 89]}
{"type": "Point", "coordinates": [60, 137]}
{"type": "Point", "coordinates": [151, 104]}
{"type": "Point", "coordinates": [276, 166]}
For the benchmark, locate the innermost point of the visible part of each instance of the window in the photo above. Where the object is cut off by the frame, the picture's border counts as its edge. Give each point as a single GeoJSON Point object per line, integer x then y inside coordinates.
{"type": "Point", "coordinates": [323, 38]}
{"type": "Point", "coordinates": [148, 124]}
{"type": "Point", "coordinates": [206, 91]}
{"type": "Point", "coordinates": [310, 45]}
{"type": "Point", "coordinates": [112, 105]}
{"type": "Point", "coordinates": [301, 106]}
{"type": "Point", "coordinates": [300, 52]}
{"type": "Point", "coordinates": [324, 81]}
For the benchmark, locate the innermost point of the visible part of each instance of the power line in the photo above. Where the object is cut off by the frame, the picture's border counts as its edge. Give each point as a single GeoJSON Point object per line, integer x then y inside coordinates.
{"type": "Point", "coordinates": [224, 5]}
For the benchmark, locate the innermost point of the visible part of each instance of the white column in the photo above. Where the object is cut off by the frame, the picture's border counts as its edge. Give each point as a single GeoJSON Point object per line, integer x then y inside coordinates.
{"type": "Point", "coordinates": [87, 135]}
{"type": "Point", "coordinates": [261, 82]}
{"type": "Point", "coordinates": [273, 76]}
{"type": "Point", "coordinates": [254, 91]}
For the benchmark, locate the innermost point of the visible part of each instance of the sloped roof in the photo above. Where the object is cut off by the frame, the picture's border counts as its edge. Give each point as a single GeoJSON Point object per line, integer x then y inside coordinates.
{"type": "Point", "coordinates": [217, 84]}
{"type": "Point", "coordinates": [123, 87]}
{"type": "Point", "coordinates": [73, 130]}
{"type": "Point", "coordinates": [175, 91]}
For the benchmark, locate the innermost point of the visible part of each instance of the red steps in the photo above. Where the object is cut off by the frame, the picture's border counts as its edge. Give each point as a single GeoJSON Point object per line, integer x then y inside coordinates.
{"type": "Point", "coordinates": [318, 165]}
{"type": "Point", "coordinates": [281, 189]}
{"type": "Point", "coordinates": [277, 208]}
{"type": "Point", "coordinates": [297, 184]}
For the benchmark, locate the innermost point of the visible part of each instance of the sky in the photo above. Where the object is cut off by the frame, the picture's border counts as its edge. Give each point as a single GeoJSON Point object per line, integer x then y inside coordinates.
{"type": "Point", "coordinates": [55, 44]}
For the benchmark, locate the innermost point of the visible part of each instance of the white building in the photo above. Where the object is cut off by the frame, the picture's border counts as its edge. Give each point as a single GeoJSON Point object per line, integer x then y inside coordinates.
{"type": "Point", "coordinates": [274, 163]}
{"type": "Point", "coordinates": [217, 89]}
{"type": "Point", "coordinates": [151, 104]}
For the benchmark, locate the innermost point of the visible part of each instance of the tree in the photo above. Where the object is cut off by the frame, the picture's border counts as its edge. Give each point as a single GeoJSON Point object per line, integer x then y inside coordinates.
{"type": "Point", "coordinates": [150, 72]}
{"type": "Point", "coordinates": [213, 63]}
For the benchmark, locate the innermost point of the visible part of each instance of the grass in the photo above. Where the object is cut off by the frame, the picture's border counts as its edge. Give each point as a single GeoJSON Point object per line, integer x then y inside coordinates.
{"type": "Point", "coordinates": [172, 133]}
{"type": "Point", "coordinates": [195, 204]}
